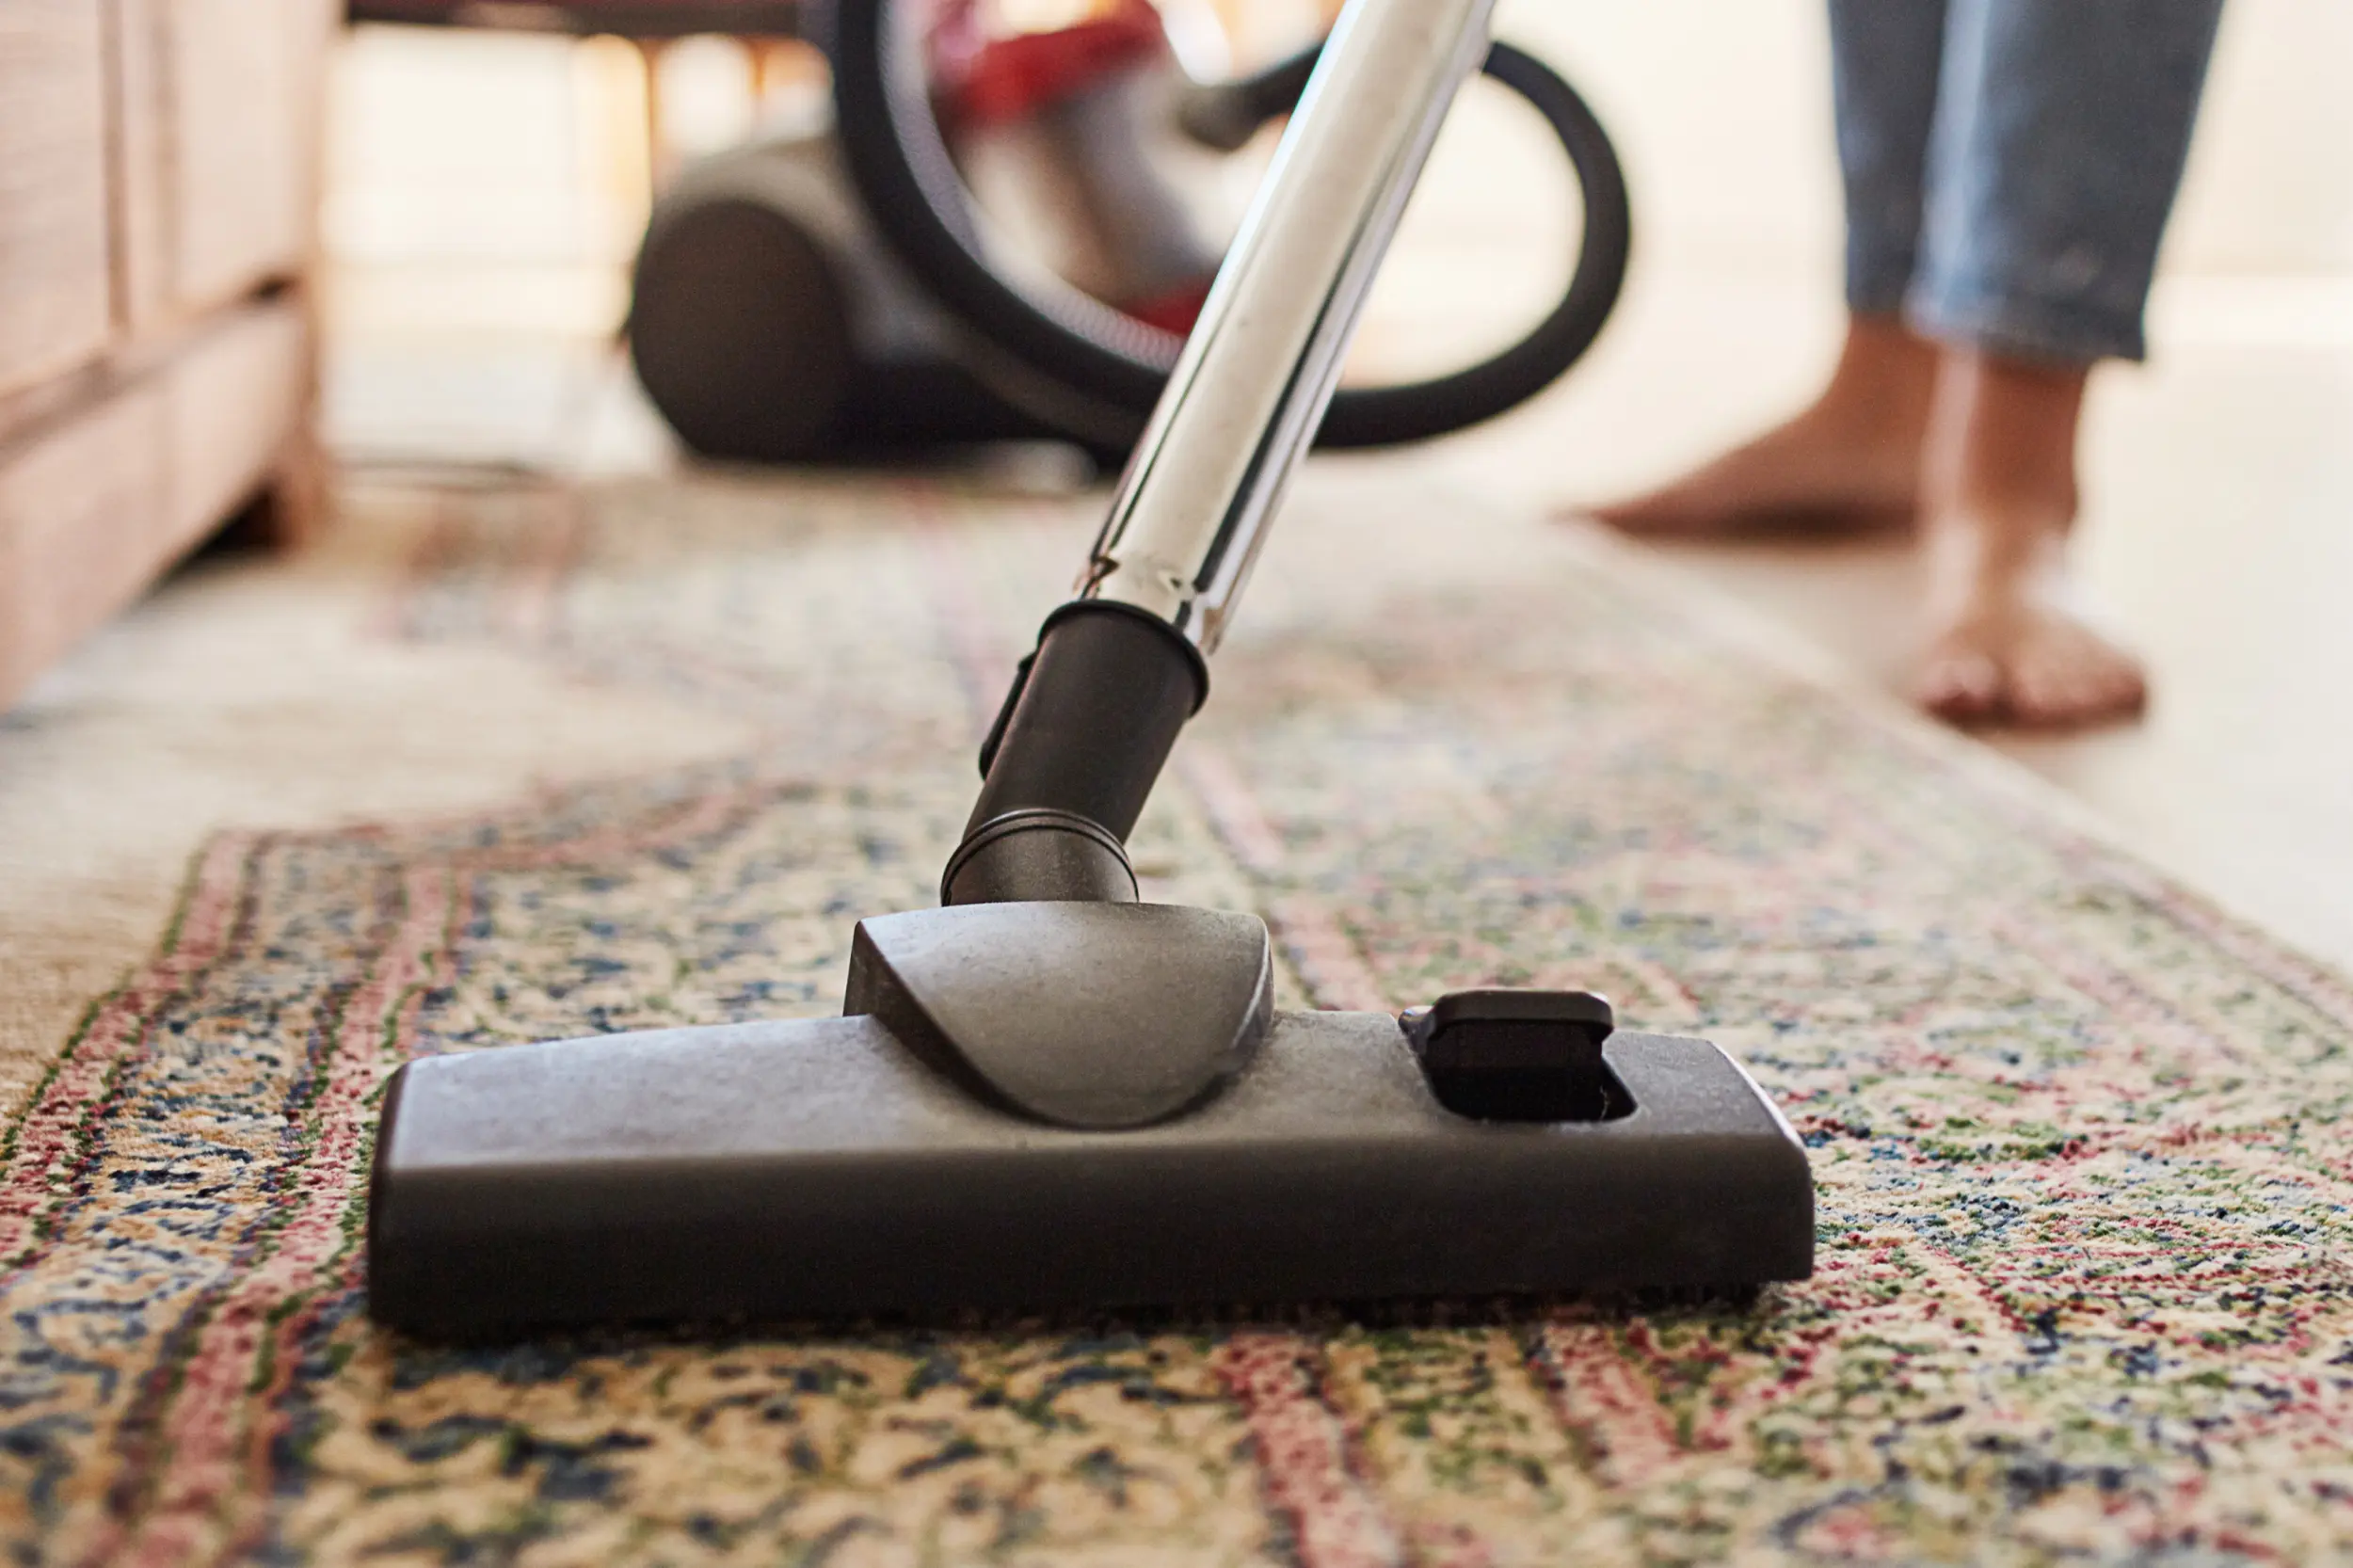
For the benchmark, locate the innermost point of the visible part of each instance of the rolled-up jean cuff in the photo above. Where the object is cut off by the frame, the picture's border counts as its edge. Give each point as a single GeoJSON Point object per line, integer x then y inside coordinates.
{"type": "Point", "coordinates": [2050, 331]}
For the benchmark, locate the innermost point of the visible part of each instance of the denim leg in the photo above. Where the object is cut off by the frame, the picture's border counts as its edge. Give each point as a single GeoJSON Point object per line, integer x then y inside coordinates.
{"type": "Point", "coordinates": [1884, 64]}
{"type": "Point", "coordinates": [2061, 128]}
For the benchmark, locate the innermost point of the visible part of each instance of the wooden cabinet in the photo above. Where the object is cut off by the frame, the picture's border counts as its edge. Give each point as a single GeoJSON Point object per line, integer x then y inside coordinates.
{"type": "Point", "coordinates": [239, 138]}
{"type": "Point", "coordinates": [158, 186]}
{"type": "Point", "coordinates": [55, 303]}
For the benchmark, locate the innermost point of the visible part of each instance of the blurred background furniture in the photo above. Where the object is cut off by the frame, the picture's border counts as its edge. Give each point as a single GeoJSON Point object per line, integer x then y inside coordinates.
{"type": "Point", "coordinates": [646, 23]}
{"type": "Point", "coordinates": [773, 33]}
{"type": "Point", "coordinates": [627, 18]}
{"type": "Point", "coordinates": [158, 178]}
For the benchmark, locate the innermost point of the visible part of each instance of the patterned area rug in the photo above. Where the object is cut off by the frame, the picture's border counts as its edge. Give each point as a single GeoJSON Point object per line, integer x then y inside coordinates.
{"type": "Point", "coordinates": [2084, 1290]}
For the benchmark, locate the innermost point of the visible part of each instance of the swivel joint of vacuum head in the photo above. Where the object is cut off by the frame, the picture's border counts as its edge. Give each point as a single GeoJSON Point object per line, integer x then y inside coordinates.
{"type": "Point", "coordinates": [1074, 753]}
{"type": "Point", "coordinates": [1039, 856]}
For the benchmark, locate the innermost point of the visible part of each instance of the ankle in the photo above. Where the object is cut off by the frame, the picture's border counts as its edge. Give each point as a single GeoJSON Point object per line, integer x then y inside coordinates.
{"type": "Point", "coordinates": [2001, 442]}
{"type": "Point", "coordinates": [1884, 387]}
{"type": "Point", "coordinates": [1984, 562]}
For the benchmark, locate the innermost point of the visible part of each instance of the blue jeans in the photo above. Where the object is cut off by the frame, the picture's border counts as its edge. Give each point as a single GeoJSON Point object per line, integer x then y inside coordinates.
{"type": "Point", "coordinates": [2009, 165]}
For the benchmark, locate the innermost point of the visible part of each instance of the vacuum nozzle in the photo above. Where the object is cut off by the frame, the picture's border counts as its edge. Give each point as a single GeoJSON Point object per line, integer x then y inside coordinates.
{"type": "Point", "coordinates": [821, 1169]}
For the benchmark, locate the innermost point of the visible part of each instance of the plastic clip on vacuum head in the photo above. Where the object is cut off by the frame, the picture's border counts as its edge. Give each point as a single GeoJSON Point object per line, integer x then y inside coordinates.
{"type": "Point", "coordinates": [1047, 1093]}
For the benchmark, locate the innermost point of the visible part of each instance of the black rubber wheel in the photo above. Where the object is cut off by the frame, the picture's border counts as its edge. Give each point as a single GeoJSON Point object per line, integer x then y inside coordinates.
{"type": "Point", "coordinates": [1093, 356]}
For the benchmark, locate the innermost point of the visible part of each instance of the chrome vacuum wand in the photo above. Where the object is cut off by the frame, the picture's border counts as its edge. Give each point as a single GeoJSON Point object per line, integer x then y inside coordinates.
{"type": "Point", "coordinates": [1046, 1092]}
{"type": "Point", "coordinates": [1118, 672]}
{"type": "Point", "coordinates": [1262, 362]}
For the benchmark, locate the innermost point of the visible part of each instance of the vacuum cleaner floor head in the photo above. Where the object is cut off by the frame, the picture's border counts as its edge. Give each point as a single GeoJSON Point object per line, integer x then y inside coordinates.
{"type": "Point", "coordinates": [837, 1167]}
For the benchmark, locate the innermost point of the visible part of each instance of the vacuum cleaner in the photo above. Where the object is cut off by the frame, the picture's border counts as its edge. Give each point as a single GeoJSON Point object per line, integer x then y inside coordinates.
{"type": "Point", "coordinates": [1044, 1094]}
{"type": "Point", "coordinates": [830, 291]}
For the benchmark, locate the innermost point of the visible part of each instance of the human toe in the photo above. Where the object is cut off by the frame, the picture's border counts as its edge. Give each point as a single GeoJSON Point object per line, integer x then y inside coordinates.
{"type": "Point", "coordinates": [1961, 681]}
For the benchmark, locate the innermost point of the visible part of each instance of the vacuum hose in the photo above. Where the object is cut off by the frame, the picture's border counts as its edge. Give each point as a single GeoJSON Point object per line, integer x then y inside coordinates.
{"type": "Point", "coordinates": [1083, 365]}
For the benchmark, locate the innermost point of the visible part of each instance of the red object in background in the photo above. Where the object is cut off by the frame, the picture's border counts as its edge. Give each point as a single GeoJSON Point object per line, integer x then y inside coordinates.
{"type": "Point", "coordinates": [1174, 311]}
{"type": "Point", "coordinates": [984, 80]}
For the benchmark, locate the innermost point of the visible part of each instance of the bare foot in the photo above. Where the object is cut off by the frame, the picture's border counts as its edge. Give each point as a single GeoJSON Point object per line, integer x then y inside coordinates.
{"type": "Point", "coordinates": [2009, 641]}
{"type": "Point", "coordinates": [1806, 476]}
{"type": "Point", "coordinates": [2032, 660]}
{"type": "Point", "coordinates": [1849, 463]}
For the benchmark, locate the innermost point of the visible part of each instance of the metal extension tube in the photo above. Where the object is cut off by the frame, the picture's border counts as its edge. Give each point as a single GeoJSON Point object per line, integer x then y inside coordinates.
{"type": "Point", "coordinates": [1091, 721]}
{"type": "Point", "coordinates": [1261, 365]}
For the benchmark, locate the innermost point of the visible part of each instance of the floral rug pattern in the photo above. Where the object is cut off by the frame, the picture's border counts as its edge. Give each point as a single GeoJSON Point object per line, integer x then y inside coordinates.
{"type": "Point", "coordinates": [2084, 1294]}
